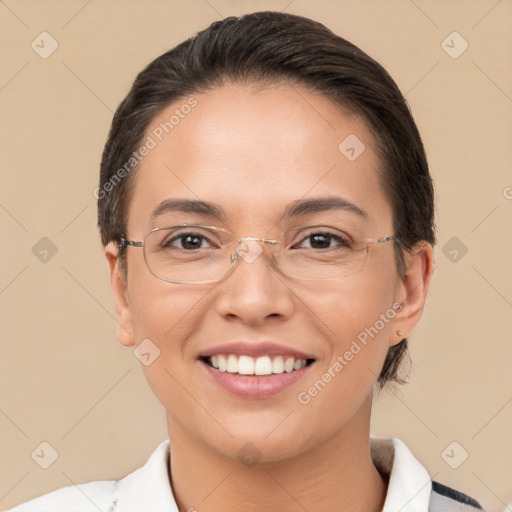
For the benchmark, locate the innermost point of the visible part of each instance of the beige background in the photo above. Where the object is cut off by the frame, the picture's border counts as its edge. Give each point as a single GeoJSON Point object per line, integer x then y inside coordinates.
{"type": "Point", "coordinates": [65, 379]}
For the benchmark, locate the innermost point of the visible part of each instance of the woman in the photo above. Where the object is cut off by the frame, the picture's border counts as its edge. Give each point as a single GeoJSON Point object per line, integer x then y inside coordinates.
{"type": "Point", "coordinates": [267, 215]}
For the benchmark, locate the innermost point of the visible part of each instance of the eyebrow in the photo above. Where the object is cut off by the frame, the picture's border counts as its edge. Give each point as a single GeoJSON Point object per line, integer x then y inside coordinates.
{"type": "Point", "coordinates": [298, 208]}
{"type": "Point", "coordinates": [201, 208]}
{"type": "Point", "coordinates": [303, 207]}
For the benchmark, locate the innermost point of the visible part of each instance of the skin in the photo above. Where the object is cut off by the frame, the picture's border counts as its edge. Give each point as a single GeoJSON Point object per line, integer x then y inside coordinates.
{"type": "Point", "coordinates": [252, 151]}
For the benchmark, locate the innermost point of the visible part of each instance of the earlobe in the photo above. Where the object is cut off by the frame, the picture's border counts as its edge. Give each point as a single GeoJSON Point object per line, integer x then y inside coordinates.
{"type": "Point", "coordinates": [412, 290]}
{"type": "Point", "coordinates": [120, 296]}
{"type": "Point", "coordinates": [400, 336]}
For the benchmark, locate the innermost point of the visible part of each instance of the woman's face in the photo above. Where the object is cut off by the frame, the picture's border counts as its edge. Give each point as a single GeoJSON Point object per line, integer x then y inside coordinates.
{"type": "Point", "coordinates": [253, 153]}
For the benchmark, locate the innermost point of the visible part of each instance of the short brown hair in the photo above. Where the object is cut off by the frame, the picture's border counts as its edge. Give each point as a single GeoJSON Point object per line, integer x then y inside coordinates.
{"type": "Point", "coordinates": [269, 47]}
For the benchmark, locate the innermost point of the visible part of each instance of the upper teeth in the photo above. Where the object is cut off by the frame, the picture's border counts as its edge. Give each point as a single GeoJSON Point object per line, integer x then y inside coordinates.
{"type": "Point", "coordinates": [246, 365]}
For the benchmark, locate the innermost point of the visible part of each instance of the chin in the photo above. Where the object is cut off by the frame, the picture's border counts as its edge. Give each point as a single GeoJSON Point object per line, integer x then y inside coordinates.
{"type": "Point", "coordinates": [265, 441]}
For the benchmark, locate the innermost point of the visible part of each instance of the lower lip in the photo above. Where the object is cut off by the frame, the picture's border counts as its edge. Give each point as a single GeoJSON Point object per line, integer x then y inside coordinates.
{"type": "Point", "coordinates": [255, 386]}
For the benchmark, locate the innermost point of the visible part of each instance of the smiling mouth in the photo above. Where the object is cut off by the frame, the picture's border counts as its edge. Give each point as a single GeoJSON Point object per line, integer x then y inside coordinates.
{"type": "Point", "coordinates": [257, 366]}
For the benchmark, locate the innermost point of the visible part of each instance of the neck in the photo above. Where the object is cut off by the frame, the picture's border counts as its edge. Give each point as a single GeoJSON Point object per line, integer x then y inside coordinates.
{"type": "Point", "coordinates": [336, 475]}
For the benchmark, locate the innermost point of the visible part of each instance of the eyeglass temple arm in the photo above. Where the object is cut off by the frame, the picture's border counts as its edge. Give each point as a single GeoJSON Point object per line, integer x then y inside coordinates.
{"type": "Point", "coordinates": [385, 239]}
{"type": "Point", "coordinates": [132, 243]}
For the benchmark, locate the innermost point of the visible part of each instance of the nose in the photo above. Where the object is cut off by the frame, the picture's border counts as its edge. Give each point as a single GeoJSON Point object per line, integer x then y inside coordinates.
{"type": "Point", "coordinates": [254, 290]}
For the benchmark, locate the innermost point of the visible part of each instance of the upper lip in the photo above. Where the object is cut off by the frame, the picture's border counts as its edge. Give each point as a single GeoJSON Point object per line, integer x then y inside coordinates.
{"type": "Point", "coordinates": [255, 349]}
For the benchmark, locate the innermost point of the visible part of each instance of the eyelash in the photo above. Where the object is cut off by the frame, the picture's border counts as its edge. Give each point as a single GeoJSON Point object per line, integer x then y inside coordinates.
{"type": "Point", "coordinates": [182, 236]}
{"type": "Point", "coordinates": [341, 241]}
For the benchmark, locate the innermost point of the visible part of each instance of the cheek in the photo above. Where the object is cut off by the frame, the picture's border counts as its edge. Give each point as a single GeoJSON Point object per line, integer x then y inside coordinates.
{"type": "Point", "coordinates": [355, 321]}
{"type": "Point", "coordinates": [164, 317]}
{"type": "Point", "coordinates": [158, 313]}
{"type": "Point", "coordinates": [157, 308]}
{"type": "Point", "coordinates": [348, 309]}
{"type": "Point", "coordinates": [166, 313]}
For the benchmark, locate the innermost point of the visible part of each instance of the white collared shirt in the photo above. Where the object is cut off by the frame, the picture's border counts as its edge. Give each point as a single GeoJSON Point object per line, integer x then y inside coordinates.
{"type": "Point", "coordinates": [147, 489]}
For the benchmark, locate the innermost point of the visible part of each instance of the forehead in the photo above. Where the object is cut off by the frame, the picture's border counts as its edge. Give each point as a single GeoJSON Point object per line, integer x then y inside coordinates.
{"type": "Point", "coordinates": [253, 151]}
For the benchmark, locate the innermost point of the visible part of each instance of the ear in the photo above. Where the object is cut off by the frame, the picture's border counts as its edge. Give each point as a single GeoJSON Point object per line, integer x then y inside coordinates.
{"type": "Point", "coordinates": [120, 295]}
{"type": "Point", "coordinates": [412, 290]}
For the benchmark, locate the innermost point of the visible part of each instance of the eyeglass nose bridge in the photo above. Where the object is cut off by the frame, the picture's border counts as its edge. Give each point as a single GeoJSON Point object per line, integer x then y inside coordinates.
{"type": "Point", "coordinates": [250, 252]}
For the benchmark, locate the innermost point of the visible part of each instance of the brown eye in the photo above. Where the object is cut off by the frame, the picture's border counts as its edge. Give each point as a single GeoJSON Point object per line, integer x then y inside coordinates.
{"type": "Point", "coordinates": [324, 240]}
{"type": "Point", "coordinates": [187, 241]}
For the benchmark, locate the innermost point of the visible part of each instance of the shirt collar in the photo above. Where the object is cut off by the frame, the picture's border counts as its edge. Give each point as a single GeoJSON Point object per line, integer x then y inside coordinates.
{"type": "Point", "coordinates": [148, 488]}
{"type": "Point", "coordinates": [409, 485]}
